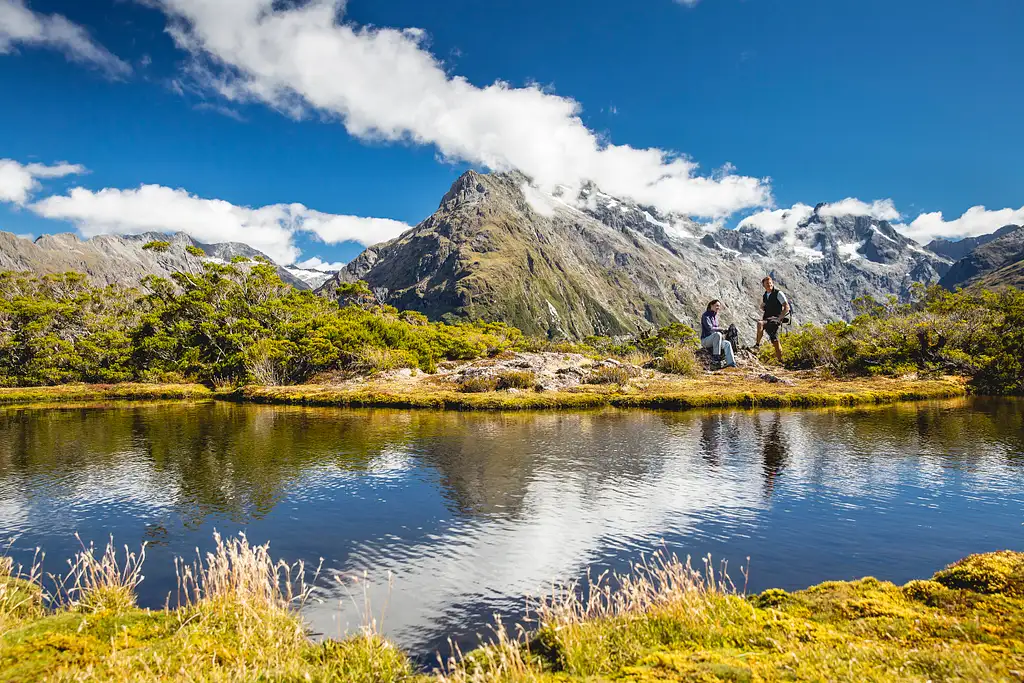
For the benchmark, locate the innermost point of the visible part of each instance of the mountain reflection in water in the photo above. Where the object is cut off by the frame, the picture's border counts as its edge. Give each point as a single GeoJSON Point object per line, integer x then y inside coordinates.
{"type": "Point", "coordinates": [469, 512]}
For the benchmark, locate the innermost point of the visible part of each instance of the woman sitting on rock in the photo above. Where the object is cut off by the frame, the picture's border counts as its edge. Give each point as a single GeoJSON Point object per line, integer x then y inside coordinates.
{"type": "Point", "coordinates": [712, 336]}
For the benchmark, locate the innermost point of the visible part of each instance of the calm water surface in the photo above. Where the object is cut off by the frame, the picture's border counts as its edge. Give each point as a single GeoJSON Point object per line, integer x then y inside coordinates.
{"type": "Point", "coordinates": [469, 512]}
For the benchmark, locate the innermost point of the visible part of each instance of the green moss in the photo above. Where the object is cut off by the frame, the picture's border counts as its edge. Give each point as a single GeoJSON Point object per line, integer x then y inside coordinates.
{"type": "Point", "coordinates": [773, 597]}
{"type": "Point", "coordinates": [991, 573]}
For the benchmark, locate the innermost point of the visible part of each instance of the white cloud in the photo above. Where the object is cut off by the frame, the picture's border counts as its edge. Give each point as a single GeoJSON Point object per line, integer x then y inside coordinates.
{"type": "Point", "coordinates": [332, 229]}
{"type": "Point", "coordinates": [778, 220]}
{"type": "Point", "coordinates": [383, 84]}
{"type": "Point", "coordinates": [317, 263]}
{"type": "Point", "coordinates": [927, 226]}
{"type": "Point", "coordinates": [18, 182]}
{"type": "Point", "coordinates": [19, 25]}
{"type": "Point", "coordinates": [975, 221]}
{"type": "Point", "coordinates": [787, 220]}
{"type": "Point", "coordinates": [882, 209]}
{"type": "Point", "coordinates": [155, 208]}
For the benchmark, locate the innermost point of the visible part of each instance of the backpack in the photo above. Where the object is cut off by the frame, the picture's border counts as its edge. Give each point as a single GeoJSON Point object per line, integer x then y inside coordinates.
{"type": "Point", "coordinates": [732, 335]}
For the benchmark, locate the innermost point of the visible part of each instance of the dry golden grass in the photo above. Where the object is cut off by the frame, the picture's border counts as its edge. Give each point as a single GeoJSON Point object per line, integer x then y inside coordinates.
{"type": "Point", "coordinates": [102, 583]}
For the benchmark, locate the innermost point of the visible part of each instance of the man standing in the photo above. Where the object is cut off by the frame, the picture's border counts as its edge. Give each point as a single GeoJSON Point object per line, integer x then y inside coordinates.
{"type": "Point", "coordinates": [774, 309]}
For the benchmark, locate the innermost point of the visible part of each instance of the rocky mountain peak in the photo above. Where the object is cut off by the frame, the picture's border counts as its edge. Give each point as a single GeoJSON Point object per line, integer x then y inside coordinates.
{"type": "Point", "coordinates": [580, 261]}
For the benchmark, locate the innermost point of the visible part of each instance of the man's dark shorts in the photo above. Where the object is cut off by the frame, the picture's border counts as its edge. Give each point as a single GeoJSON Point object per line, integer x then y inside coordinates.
{"type": "Point", "coordinates": [771, 328]}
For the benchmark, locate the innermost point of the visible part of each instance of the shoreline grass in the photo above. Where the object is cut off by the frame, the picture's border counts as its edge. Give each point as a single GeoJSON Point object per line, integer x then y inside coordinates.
{"type": "Point", "coordinates": [238, 619]}
{"type": "Point", "coordinates": [684, 394]}
{"type": "Point", "coordinates": [102, 392]}
{"type": "Point", "coordinates": [680, 395]}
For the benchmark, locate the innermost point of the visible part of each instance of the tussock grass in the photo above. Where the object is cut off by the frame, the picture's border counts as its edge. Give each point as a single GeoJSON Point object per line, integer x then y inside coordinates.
{"type": "Point", "coordinates": [516, 379]}
{"type": "Point", "coordinates": [478, 385]}
{"type": "Point", "coordinates": [102, 583]}
{"type": "Point", "coordinates": [609, 374]}
{"type": "Point", "coordinates": [680, 360]}
{"type": "Point", "coordinates": [21, 594]}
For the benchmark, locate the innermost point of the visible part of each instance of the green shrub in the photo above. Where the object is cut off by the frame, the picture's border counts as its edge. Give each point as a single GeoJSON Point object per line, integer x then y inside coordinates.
{"type": "Point", "coordinates": [195, 251]}
{"type": "Point", "coordinates": [157, 245]}
{"type": "Point", "coordinates": [222, 325]}
{"type": "Point", "coordinates": [978, 334]}
{"type": "Point", "coordinates": [516, 379]}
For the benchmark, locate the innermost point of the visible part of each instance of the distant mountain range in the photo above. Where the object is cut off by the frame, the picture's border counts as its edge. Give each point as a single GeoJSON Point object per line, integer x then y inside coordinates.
{"type": "Point", "coordinates": [995, 260]}
{"type": "Point", "coordinates": [113, 259]}
{"type": "Point", "coordinates": [572, 266]}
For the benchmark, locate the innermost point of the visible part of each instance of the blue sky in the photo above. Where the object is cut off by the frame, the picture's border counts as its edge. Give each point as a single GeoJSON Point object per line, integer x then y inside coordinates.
{"type": "Point", "coordinates": [914, 102]}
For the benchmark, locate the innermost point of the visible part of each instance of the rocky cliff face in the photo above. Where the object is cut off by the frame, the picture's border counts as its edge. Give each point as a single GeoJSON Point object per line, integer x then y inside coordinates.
{"type": "Point", "coordinates": [497, 249]}
{"type": "Point", "coordinates": [1005, 249]}
{"type": "Point", "coordinates": [112, 259]}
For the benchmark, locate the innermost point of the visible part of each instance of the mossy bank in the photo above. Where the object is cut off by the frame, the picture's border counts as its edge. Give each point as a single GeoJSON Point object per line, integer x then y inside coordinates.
{"type": "Point", "coordinates": [662, 622]}
{"type": "Point", "coordinates": [714, 391]}
{"type": "Point", "coordinates": [104, 392]}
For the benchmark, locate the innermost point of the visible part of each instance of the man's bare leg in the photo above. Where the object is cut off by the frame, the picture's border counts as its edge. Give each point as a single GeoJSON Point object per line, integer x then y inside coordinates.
{"type": "Point", "coordinates": [760, 332]}
{"type": "Point", "coordinates": [778, 350]}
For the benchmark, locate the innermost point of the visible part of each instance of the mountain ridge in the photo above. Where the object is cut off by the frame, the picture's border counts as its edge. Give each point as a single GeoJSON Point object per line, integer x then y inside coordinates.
{"type": "Point", "coordinates": [573, 266]}
{"type": "Point", "coordinates": [119, 259]}
{"type": "Point", "coordinates": [1003, 251]}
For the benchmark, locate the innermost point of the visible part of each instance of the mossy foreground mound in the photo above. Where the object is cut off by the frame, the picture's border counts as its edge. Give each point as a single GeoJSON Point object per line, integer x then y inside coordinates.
{"type": "Point", "coordinates": [662, 622]}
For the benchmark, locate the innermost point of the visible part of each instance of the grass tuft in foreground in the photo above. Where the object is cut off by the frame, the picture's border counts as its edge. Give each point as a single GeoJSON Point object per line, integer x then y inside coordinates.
{"type": "Point", "coordinates": [662, 621]}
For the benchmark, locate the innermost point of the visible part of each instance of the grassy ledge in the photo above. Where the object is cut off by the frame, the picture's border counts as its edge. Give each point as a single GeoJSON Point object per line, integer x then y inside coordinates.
{"type": "Point", "coordinates": [716, 391]}
{"type": "Point", "coordinates": [712, 391]}
{"type": "Point", "coordinates": [101, 392]}
{"type": "Point", "coordinates": [663, 621]}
